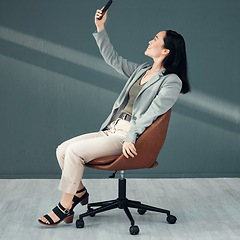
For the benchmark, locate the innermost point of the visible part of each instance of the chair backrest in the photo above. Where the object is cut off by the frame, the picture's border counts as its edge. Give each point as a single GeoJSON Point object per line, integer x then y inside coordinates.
{"type": "Point", "coordinates": [148, 146]}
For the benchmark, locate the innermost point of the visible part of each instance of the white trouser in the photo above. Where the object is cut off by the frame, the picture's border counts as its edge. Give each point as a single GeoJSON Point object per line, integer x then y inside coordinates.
{"type": "Point", "coordinates": [74, 153]}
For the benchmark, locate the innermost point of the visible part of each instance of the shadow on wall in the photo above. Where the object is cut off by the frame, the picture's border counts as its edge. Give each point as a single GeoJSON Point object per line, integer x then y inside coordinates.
{"type": "Point", "coordinates": [71, 63]}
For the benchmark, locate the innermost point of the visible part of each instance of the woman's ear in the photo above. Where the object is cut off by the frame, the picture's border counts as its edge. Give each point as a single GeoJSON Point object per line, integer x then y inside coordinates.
{"type": "Point", "coordinates": [166, 51]}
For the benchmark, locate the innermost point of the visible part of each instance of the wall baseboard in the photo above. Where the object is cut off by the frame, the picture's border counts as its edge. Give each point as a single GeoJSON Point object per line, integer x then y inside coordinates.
{"type": "Point", "coordinates": [128, 175]}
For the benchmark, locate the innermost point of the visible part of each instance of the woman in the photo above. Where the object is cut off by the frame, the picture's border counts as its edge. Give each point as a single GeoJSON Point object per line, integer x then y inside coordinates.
{"type": "Point", "coordinates": [150, 91]}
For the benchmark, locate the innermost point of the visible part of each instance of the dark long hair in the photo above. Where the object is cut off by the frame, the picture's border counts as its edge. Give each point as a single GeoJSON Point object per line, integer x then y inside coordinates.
{"type": "Point", "coordinates": [176, 60]}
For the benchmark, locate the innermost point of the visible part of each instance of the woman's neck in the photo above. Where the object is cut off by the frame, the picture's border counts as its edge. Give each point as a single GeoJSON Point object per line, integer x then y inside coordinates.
{"type": "Point", "coordinates": [157, 66]}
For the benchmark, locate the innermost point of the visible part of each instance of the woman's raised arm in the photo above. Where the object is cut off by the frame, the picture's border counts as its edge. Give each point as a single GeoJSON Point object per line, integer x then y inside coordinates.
{"type": "Point", "coordinates": [110, 56]}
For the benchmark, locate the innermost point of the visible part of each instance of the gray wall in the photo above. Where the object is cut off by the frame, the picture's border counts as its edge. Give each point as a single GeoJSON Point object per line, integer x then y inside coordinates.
{"type": "Point", "coordinates": [54, 84]}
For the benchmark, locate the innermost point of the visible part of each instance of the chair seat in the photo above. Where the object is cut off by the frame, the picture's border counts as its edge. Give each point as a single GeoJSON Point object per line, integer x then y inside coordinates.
{"type": "Point", "coordinates": [105, 163]}
{"type": "Point", "coordinates": [103, 160]}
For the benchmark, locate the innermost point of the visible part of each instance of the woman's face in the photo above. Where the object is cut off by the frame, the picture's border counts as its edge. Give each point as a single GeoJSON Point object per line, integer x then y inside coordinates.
{"type": "Point", "coordinates": [155, 48]}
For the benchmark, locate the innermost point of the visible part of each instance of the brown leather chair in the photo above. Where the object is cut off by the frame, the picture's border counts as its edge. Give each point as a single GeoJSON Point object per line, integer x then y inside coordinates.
{"type": "Point", "coordinates": [148, 146]}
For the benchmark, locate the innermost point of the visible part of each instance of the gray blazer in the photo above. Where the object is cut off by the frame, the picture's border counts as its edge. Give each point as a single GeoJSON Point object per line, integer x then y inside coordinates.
{"type": "Point", "coordinates": [155, 98]}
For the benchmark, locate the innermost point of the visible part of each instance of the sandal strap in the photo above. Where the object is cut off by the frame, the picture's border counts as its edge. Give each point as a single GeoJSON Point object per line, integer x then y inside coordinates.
{"type": "Point", "coordinates": [59, 213]}
{"type": "Point", "coordinates": [77, 199]}
{"type": "Point", "coordinates": [66, 211]}
{"type": "Point", "coordinates": [49, 219]}
{"type": "Point", "coordinates": [83, 189]}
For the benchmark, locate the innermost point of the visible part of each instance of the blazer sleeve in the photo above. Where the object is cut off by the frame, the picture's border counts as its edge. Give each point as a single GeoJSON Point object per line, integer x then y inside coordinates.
{"type": "Point", "coordinates": [121, 65]}
{"type": "Point", "coordinates": [163, 101]}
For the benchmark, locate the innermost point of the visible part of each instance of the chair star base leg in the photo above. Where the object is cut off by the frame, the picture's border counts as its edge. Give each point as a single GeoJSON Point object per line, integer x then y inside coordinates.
{"type": "Point", "coordinates": [123, 203]}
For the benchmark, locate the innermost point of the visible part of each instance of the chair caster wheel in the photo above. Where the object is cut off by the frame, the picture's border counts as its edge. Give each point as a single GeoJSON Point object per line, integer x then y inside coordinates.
{"type": "Point", "coordinates": [91, 214]}
{"type": "Point", "coordinates": [134, 230]}
{"type": "Point", "coordinates": [171, 219]}
{"type": "Point", "coordinates": [79, 223]}
{"type": "Point", "coordinates": [141, 211]}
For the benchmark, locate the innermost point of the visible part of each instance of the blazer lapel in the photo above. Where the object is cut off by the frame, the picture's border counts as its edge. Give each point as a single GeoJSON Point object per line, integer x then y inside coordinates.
{"type": "Point", "coordinates": [137, 76]}
{"type": "Point", "coordinates": [151, 81]}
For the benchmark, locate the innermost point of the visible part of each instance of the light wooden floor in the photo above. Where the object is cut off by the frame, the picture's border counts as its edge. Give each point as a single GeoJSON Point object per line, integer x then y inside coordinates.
{"type": "Point", "coordinates": [206, 209]}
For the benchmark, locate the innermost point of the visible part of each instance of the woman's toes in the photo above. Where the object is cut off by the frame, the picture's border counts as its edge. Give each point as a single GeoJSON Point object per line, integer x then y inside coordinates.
{"type": "Point", "coordinates": [52, 215]}
{"type": "Point", "coordinates": [43, 219]}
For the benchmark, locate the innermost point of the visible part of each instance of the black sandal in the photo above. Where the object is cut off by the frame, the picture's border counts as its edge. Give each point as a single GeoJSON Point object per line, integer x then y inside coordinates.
{"type": "Point", "coordinates": [66, 216]}
{"type": "Point", "coordinates": [83, 200]}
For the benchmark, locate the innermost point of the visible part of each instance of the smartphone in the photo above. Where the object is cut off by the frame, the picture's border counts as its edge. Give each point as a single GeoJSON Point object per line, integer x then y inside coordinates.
{"type": "Point", "coordinates": [105, 8]}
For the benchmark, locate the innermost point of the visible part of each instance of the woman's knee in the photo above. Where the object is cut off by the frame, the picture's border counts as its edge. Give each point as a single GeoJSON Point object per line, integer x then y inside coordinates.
{"type": "Point", "coordinates": [60, 153]}
{"type": "Point", "coordinates": [75, 152]}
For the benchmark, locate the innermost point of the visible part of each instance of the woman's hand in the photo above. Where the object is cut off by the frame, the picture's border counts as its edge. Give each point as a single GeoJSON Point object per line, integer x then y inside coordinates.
{"type": "Point", "coordinates": [100, 23]}
{"type": "Point", "coordinates": [129, 149]}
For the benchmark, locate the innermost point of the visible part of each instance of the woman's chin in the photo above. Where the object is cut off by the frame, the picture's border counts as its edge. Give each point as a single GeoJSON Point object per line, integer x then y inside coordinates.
{"type": "Point", "coordinates": [146, 54]}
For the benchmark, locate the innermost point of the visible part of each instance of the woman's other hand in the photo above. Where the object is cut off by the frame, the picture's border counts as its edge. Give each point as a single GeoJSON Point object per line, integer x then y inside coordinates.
{"type": "Point", "coordinates": [129, 149]}
{"type": "Point", "coordinates": [100, 23]}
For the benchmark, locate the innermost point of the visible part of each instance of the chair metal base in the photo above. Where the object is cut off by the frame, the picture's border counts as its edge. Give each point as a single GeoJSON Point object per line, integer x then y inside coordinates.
{"type": "Point", "coordinates": [122, 203]}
